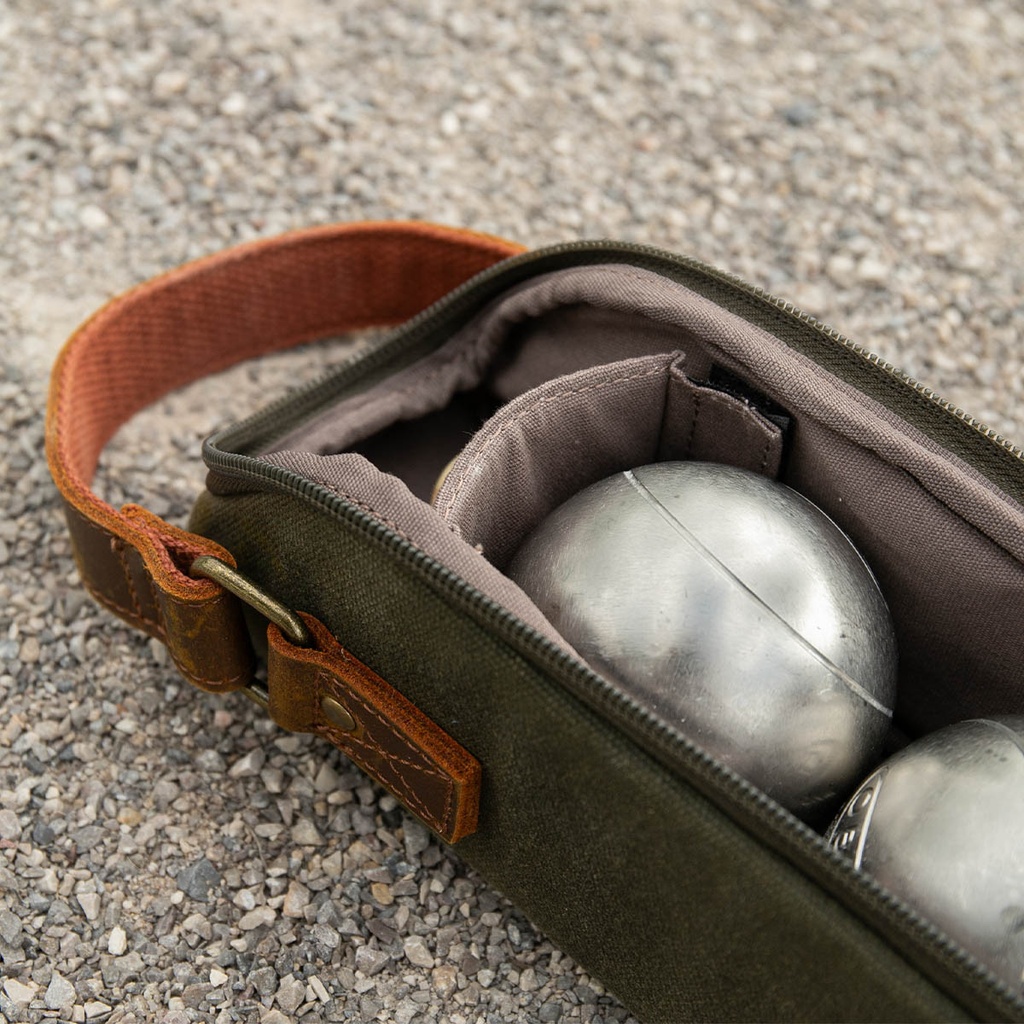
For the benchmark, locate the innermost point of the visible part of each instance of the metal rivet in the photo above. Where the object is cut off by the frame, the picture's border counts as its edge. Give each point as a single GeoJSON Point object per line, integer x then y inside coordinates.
{"type": "Point", "coordinates": [337, 714]}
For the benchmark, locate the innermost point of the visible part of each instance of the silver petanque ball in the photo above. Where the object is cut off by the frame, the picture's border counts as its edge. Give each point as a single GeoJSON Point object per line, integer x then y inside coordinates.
{"type": "Point", "coordinates": [941, 824]}
{"type": "Point", "coordinates": [732, 608]}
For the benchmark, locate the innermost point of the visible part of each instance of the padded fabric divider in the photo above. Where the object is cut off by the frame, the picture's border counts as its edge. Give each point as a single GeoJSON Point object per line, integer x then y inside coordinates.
{"type": "Point", "coordinates": [555, 440]}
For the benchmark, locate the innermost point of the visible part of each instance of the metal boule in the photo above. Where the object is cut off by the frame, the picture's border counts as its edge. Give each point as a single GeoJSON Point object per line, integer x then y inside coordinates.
{"type": "Point", "coordinates": [732, 608]}
{"type": "Point", "coordinates": [941, 825]}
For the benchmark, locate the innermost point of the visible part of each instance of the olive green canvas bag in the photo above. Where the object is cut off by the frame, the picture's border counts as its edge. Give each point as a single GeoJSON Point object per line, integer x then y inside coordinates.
{"type": "Point", "coordinates": [322, 577]}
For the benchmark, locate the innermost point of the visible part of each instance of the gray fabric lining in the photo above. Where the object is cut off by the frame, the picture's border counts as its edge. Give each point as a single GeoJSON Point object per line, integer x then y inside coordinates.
{"type": "Point", "coordinates": [600, 369]}
{"type": "Point", "coordinates": [560, 437]}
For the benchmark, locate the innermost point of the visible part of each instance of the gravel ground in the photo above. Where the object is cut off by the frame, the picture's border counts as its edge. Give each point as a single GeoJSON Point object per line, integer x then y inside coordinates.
{"type": "Point", "coordinates": [169, 856]}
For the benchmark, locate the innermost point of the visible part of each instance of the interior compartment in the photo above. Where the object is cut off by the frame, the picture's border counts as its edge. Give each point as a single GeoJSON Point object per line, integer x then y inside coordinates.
{"type": "Point", "coordinates": [558, 438]}
{"type": "Point", "coordinates": [581, 373]}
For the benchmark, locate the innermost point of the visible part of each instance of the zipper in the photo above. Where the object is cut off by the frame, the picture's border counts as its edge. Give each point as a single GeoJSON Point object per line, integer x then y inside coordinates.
{"type": "Point", "coordinates": [228, 452]}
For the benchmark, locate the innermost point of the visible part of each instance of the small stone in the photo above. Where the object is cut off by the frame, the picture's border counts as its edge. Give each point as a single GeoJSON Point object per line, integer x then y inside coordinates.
{"type": "Point", "coordinates": [217, 977]}
{"type": "Point", "coordinates": [405, 1011]}
{"type": "Point", "coordinates": [29, 651]}
{"type": "Point", "coordinates": [93, 217]}
{"type": "Point", "coordinates": [118, 941]}
{"type": "Point", "coordinates": [198, 878]}
{"type": "Point", "coordinates": [304, 833]}
{"type": "Point", "coordinates": [485, 977]}
{"type": "Point", "coordinates": [248, 766]}
{"type": "Point", "coordinates": [10, 927]}
{"type": "Point", "coordinates": [244, 899]}
{"type": "Point", "coordinates": [258, 918]}
{"type": "Point", "coordinates": [326, 937]}
{"type": "Point", "coordinates": [9, 827]}
{"type": "Point", "coordinates": [90, 904]}
{"type": "Point", "coordinates": [417, 952]}
{"type": "Point", "coordinates": [264, 980]}
{"type": "Point", "coordinates": [326, 780]}
{"type": "Point", "coordinates": [550, 1012]}
{"type": "Point", "coordinates": [42, 834]}
{"type": "Point", "coordinates": [274, 1017]}
{"type": "Point", "coordinates": [195, 994]}
{"type": "Point", "coordinates": [198, 924]}
{"type": "Point", "coordinates": [445, 980]}
{"type": "Point", "coordinates": [417, 838]}
{"type": "Point", "coordinates": [450, 124]}
{"type": "Point", "coordinates": [318, 988]}
{"type": "Point", "coordinates": [273, 779]}
{"type": "Point", "coordinates": [19, 992]}
{"type": "Point", "coordinates": [169, 83]}
{"type": "Point", "coordinates": [295, 900]}
{"type": "Point", "coordinates": [873, 271]}
{"type": "Point", "coordinates": [800, 114]}
{"type": "Point", "coordinates": [291, 993]}
{"type": "Point", "coordinates": [210, 761]}
{"type": "Point", "coordinates": [129, 816]}
{"type": "Point", "coordinates": [234, 105]}
{"type": "Point", "coordinates": [370, 961]}
{"type": "Point", "coordinates": [382, 893]}
{"type": "Point", "coordinates": [94, 1008]}
{"type": "Point", "coordinates": [60, 993]}
{"type": "Point", "coordinates": [528, 980]}
{"type": "Point", "coordinates": [122, 968]}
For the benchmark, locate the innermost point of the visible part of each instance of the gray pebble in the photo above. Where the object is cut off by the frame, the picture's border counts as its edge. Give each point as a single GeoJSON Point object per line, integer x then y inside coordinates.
{"type": "Point", "coordinates": [60, 993]}
{"type": "Point", "coordinates": [291, 993]}
{"type": "Point", "coordinates": [9, 827]}
{"type": "Point", "coordinates": [370, 961]}
{"type": "Point", "coordinates": [264, 980]}
{"type": "Point", "coordinates": [417, 952]}
{"type": "Point", "coordinates": [42, 834]}
{"type": "Point", "coordinates": [198, 879]}
{"type": "Point", "coordinates": [249, 765]}
{"type": "Point", "coordinates": [10, 927]}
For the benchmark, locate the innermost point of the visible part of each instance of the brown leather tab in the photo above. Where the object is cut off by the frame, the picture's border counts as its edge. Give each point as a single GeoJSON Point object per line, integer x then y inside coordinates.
{"type": "Point", "coordinates": [203, 317]}
{"type": "Point", "coordinates": [327, 691]}
{"type": "Point", "coordinates": [130, 572]}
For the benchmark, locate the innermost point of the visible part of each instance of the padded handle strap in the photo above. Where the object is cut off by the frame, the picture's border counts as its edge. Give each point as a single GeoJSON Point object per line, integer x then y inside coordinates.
{"type": "Point", "coordinates": [201, 318]}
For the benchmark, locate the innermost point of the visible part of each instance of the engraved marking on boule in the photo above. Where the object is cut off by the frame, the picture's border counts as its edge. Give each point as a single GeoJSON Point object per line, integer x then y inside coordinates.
{"type": "Point", "coordinates": [716, 563]}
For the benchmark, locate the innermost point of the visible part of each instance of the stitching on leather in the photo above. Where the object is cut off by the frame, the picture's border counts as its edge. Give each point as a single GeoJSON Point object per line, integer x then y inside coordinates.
{"type": "Point", "coordinates": [103, 598]}
{"type": "Point", "coordinates": [118, 547]}
{"type": "Point", "coordinates": [425, 767]}
{"type": "Point", "coordinates": [537, 403]}
{"type": "Point", "coordinates": [395, 780]}
{"type": "Point", "coordinates": [200, 680]}
{"type": "Point", "coordinates": [120, 610]}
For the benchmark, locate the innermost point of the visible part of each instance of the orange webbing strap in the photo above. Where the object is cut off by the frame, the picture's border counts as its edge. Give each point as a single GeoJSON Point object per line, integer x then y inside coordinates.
{"type": "Point", "coordinates": [203, 317]}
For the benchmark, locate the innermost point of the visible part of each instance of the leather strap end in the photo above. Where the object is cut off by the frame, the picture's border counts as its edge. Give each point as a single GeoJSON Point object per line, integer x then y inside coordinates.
{"type": "Point", "coordinates": [327, 691]}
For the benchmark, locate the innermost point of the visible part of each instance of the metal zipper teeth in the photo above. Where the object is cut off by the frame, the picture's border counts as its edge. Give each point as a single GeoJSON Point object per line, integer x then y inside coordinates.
{"type": "Point", "coordinates": [604, 698]}
{"type": "Point", "coordinates": [595, 690]}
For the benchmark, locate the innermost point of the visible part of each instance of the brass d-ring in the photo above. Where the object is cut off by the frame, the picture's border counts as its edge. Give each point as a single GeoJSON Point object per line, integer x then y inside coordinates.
{"type": "Point", "coordinates": [253, 595]}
